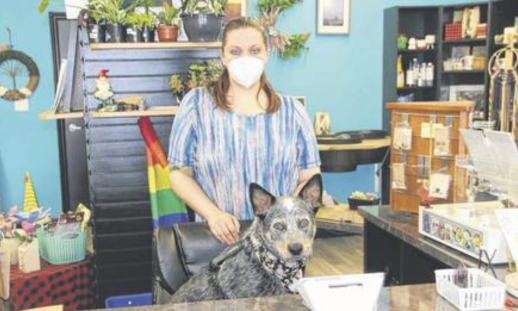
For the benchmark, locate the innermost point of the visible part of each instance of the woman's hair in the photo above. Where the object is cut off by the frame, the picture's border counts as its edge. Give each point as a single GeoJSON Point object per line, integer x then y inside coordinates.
{"type": "Point", "coordinates": [219, 89]}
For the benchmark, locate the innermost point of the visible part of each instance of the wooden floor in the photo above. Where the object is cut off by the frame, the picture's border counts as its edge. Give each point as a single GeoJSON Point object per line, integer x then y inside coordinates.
{"type": "Point", "coordinates": [336, 255]}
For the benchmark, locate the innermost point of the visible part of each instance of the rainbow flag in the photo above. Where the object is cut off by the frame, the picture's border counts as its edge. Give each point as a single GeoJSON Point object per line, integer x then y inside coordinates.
{"type": "Point", "coordinates": [166, 207]}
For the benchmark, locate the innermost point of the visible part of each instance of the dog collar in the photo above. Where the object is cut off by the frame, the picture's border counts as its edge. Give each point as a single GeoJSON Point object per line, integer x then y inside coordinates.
{"type": "Point", "coordinates": [286, 272]}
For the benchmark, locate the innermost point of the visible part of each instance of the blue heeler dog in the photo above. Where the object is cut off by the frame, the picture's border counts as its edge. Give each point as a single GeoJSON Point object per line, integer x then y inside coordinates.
{"type": "Point", "coordinates": [270, 256]}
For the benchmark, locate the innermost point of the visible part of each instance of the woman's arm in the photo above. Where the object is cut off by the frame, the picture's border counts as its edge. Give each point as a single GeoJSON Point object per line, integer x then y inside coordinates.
{"type": "Point", "coordinates": [223, 225]}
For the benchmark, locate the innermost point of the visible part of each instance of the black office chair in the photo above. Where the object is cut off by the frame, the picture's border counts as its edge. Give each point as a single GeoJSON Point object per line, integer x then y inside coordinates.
{"type": "Point", "coordinates": [179, 253]}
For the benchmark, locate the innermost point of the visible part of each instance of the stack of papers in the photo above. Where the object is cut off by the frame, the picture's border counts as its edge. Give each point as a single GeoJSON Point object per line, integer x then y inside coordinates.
{"type": "Point", "coordinates": [346, 292]}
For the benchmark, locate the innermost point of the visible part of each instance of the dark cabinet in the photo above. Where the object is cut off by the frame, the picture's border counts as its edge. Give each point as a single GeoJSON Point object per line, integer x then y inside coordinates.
{"type": "Point", "coordinates": [402, 263]}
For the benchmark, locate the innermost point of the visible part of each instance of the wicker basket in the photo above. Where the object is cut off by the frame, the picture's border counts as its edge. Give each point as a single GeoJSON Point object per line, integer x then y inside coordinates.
{"type": "Point", "coordinates": [483, 292]}
{"type": "Point", "coordinates": [62, 249]}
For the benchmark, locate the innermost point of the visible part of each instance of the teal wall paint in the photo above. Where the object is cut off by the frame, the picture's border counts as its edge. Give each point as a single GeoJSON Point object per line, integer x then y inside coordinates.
{"type": "Point", "coordinates": [339, 74]}
{"type": "Point", "coordinates": [26, 144]}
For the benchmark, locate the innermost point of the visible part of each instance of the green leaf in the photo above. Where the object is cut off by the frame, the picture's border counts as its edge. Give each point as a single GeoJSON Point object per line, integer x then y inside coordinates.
{"type": "Point", "coordinates": [43, 6]}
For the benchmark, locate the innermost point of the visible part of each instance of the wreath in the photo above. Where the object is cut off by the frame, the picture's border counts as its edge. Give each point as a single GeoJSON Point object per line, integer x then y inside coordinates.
{"type": "Point", "coordinates": [12, 64]}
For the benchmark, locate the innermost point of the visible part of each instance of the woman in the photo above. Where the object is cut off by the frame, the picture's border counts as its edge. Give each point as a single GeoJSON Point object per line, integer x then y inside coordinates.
{"type": "Point", "coordinates": [239, 131]}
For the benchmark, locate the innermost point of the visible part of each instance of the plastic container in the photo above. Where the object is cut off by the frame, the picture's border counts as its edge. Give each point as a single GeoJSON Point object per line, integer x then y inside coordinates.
{"type": "Point", "coordinates": [355, 203]}
{"type": "Point", "coordinates": [61, 249]}
{"type": "Point", "coordinates": [145, 299]}
{"type": "Point", "coordinates": [483, 292]}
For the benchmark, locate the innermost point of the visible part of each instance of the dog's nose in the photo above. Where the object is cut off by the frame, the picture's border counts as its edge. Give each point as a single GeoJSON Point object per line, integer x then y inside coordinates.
{"type": "Point", "coordinates": [295, 248]}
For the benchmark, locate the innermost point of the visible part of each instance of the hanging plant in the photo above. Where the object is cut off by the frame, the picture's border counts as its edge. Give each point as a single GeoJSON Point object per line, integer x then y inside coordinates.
{"type": "Point", "coordinates": [286, 46]}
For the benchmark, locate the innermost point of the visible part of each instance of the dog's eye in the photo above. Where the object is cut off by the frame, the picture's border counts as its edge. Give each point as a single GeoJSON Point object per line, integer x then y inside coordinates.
{"type": "Point", "coordinates": [279, 226]}
{"type": "Point", "coordinates": [304, 223]}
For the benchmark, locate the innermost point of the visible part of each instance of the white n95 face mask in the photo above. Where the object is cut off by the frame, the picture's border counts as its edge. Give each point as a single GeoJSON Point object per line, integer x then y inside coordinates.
{"type": "Point", "coordinates": [246, 70]}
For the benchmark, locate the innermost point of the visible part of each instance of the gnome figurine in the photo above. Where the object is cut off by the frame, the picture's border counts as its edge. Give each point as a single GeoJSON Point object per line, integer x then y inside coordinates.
{"type": "Point", "coordinates": [103, 89]}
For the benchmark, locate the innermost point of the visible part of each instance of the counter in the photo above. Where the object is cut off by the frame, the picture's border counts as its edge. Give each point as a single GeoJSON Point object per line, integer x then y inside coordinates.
{"type": "Point", "coordinates": [393, 244]}
{"type": "Point", "coordinates": [401, 298]}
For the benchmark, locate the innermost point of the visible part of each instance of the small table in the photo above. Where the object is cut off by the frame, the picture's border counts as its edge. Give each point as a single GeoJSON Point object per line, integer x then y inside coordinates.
{"type": "Point", "coordinates": [71, 285]}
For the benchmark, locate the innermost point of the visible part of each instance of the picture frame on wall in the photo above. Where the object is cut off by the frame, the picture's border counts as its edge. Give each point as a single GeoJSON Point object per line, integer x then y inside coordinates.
{"type": "Point", "coordinates": [333, 17]}
{"type": "Point", "coordinates": [235, 9]}
{"type": "Point", "coordinates": [474, 93]}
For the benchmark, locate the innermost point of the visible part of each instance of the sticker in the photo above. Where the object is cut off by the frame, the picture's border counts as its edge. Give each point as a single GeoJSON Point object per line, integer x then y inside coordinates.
{"type": "Point", "coordinates": [402, 137]}
{"type": "Point", "coordinates": [398, 176]}
{"type": "Point", "coordinates": [428, 130]}
{"type": "Point", "coordinates": [441, 146]}
{"type": "Point", "coordinates": [439, 185]}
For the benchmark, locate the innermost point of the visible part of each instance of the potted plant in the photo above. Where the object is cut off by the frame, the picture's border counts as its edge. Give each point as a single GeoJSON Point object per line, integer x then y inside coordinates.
{"type": "Point", "coordinates": [200, 75]}
{"type": "Point", "coordinates": [203, 19]}
{"type": "Point", "coordinates": [115, 13]}
{"type": "Point", "coordinates": [168, 27]}
{"type": "Point", "coordinates": [140, 27]}
{"type": "Point", "coordinates": [96, 27]}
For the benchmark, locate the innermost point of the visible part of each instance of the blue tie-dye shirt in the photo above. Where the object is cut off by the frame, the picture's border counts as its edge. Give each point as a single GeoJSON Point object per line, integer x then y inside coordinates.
{"type": "Point", "coordinates": [228, 150]}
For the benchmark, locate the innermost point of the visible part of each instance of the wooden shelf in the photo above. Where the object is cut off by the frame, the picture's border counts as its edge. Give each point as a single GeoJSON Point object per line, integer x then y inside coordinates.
{"type": "Point", "coordinates": [466, 41]}
{"type": "Point", "coordinates": [151, 112]}
{"type": "Point", "coordinates": [156, 45]}
{"type": "Point", "coordinates": [367, 144]}
{"type": "Point", "coordinates": [50, 115]}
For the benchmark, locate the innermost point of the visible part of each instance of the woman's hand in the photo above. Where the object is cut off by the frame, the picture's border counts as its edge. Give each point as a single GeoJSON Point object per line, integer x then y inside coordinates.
{"type": "Point", "coordinates": [224, 226]}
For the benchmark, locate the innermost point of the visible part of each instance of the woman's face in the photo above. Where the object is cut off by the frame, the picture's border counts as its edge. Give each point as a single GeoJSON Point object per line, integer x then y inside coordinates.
{"type": "Point", "coordinates": [244, 42]}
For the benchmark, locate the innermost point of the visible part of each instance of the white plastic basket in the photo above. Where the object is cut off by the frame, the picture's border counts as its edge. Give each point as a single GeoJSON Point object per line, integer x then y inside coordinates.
{"type": "Point", "coordinates": [483, 292]}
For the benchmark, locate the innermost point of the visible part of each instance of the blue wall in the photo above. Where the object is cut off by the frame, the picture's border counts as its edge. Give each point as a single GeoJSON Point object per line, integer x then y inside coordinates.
{"type": "Point", "coordinates": [26, 144]}
{"type": "Point", "coordinates": [340, 74]}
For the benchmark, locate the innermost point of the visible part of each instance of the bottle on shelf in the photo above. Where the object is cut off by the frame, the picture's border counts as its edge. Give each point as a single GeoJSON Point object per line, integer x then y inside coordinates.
{"type": "Point", "coordinates": [400, 73]}
{"type": "Point", "coordinates": [429, 75]}
{"type": "Point", "coordinates": [415, 67]}
{"type": "Point", "coordinates": [410, 82]}
{"type": "Point", "coordinates": [422, 75]}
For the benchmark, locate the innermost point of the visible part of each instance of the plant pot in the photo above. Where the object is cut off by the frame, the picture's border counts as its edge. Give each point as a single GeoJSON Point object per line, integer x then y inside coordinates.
{"type": "Point", "coordinates": [96, 32]}
{"type": "Point", "coordinates": [168, 33]}
{"type": "Point", "coordinates": [355, 203]}
{"type": "Point", "coordinates": [148, 35]}
{"type": "Point", "coordinates": [115, 33]}
{"type": "Point", "coordinates": [202, 27]}
{"type": "Point", "coordinates": [133, 34]}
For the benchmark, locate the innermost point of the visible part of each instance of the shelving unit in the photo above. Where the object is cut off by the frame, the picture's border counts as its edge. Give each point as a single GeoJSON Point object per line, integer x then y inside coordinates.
{"type": "Point", "coordinates": [116, 156]}
{"type": "Point", "coordinates": [155, 45]}
{"type": "Point", "coordinates": [50, 115]}
{"type": "Point", "coordinates": [417, 51]}
{"type": "Point", "coordinates": [420, 21]}
{"type": "Point", "coordinates": [464, 72]}
{"type": "Point", "coordinates": [482, 41]}
{"type": "Point", "coordinates": [155, 111]}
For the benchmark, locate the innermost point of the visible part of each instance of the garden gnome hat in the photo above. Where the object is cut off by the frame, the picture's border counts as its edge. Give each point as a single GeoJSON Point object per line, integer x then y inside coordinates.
{"type": "Point", "coordinates": [29, 200]}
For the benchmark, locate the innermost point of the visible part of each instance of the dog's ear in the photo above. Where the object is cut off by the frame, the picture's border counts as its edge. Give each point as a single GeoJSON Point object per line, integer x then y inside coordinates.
{"type": "Point", "coordinates": [261, 200]}
{"type": "Point", "coordinates": [312, 191]}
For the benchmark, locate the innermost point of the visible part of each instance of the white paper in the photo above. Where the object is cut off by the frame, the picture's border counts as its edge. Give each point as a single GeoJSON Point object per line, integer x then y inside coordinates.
{"type": "Point", "coordinates": [345, 292]}
{"type": "Point", "coordinates": [439, 185]}
{"type": "Point", "coordinates": [508, 219]}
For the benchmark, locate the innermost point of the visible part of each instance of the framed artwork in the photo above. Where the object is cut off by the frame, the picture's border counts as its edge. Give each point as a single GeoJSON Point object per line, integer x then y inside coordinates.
{"type": "Point", "coordinates": [470, 93]}
{"type": "Point", "coordinates": [235, 9]}
{"type": "Point", "coordinates": [333, 16]}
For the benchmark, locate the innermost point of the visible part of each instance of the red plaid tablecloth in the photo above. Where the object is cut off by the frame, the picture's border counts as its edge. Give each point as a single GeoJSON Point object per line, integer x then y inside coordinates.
{"type": "Point", "coordinates": [70, 285]}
